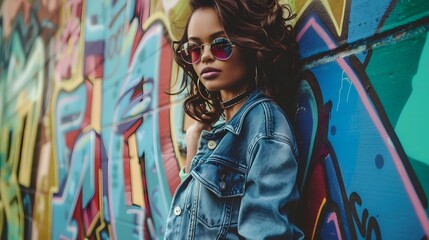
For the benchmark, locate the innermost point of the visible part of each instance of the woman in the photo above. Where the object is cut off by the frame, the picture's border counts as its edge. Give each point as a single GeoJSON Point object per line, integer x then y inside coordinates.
{"type": "Point", "coordinates": [239, 59]}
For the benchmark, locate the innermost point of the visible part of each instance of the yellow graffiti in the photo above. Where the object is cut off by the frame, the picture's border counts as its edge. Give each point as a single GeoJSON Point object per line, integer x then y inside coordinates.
{"type": "Point", "coordinates": [34, 73]}
{"type": "Point", "coordinates": [137, 195]}
{"type": "Point", "coordinates": [41, 227]}
{"type": "Point", "coordinates": [317, 217]}
{"type": "Point", "coordinates": [11, 198]}
{"type": "Point", "coordinates": [97, 89]}
{"type": "Point", "coordinates": [334, 8]}
{"type": "Point", "coordinates": [103, 224]}
{"type": "Point", "coordinates": [1, 218]}
{"type": "Point", "coordinates": [174, 18]}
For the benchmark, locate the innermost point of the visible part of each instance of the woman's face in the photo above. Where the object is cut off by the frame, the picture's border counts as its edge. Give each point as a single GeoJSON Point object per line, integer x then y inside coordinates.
{"type": "Point", "coordinates": [228, 76]}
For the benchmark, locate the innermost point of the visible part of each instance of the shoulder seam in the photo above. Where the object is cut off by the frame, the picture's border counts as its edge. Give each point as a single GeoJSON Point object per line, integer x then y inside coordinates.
{"type": "Point", "coordinates": [276, 137]}
{"type": "Point", "coordinates": [268, 118]}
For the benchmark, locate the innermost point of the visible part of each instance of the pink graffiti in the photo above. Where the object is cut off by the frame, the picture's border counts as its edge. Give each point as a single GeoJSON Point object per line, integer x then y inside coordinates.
{"type": "Point", "coordinates": [67, 44]}
{"type": "Point", "coordinates": [333, 218]}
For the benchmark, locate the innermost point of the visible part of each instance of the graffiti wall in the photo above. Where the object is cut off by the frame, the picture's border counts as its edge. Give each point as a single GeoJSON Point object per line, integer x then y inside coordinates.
{"type": "Point", "coordinates": [361, 119]}
{"type": "Point", "coordinates": [91, 144]}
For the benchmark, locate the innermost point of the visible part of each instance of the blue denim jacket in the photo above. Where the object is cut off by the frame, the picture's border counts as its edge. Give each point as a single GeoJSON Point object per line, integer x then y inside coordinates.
{"type": "Point", "coordinates": [242, 180]}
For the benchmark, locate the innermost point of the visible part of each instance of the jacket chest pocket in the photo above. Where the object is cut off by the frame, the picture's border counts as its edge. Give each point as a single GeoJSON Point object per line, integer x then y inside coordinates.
{"type": "Point", "coordinates": [221, 188]}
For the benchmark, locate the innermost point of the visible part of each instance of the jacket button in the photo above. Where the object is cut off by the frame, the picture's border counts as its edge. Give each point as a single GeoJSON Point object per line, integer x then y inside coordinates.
{"type": "Point", "coordinates": [211, 144]}
{"type": "Point", "coordinates": [177, 211]}
{"type": "Point", "coordinates": [222, 185]}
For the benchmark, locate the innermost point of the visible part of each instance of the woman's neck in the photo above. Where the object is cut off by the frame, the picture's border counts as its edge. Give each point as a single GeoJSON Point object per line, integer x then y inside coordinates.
{"type": "Point", "coordinates": [236, 98]}
{"type": "Point", "coordinates": [230, 112]}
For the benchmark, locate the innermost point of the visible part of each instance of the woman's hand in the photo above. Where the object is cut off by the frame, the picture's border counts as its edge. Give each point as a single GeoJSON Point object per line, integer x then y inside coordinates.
{"type": "Point", "coordinates": [192, 138]}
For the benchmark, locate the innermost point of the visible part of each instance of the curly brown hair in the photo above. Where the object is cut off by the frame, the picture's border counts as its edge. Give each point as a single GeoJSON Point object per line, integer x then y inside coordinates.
{"type": "Point", "coordinates": [262, 31]}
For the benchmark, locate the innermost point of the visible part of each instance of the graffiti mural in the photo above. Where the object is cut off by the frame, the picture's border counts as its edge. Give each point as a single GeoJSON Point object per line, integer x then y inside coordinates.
{"type": "Point", "coordinates": [91, 144]}
{"type": "Point", "coordinates": [360, 177]}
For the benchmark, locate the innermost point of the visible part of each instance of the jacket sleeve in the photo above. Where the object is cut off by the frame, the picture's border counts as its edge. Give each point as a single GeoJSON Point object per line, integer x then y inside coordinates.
{"type": "Point", "coordinates": [270, 192]}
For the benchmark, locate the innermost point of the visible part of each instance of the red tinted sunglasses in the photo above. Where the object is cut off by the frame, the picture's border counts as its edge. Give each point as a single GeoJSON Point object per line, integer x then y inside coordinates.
{"type": "Point", "coordinates": [221, 48]}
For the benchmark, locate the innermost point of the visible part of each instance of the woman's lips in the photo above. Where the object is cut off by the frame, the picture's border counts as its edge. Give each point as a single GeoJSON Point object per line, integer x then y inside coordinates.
{"type": "Point", "coordinates": [210, 75]}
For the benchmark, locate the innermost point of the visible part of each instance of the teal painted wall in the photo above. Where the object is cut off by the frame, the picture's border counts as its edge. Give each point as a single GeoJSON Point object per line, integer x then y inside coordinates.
{"type": "Point", "coordinates": [90, 145]}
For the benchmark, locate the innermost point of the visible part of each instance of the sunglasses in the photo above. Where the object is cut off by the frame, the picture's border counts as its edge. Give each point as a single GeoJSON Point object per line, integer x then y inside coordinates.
{"type": "Point", "coordinates": [221, 48]}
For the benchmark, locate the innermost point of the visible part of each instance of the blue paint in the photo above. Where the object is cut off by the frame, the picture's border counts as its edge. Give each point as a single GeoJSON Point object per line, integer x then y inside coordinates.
{"type": "Point", "coordinates": [308, 46]}
{"type": "Point", "coordinates": [365, 18]}
{"type": "Point", "coordinates": [333, 130]}
{"type": "Point", "coordinates": [379, 161]}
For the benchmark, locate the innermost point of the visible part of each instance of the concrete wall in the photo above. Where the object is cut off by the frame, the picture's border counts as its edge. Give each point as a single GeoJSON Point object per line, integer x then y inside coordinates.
{"type": "Point", "coordinates": [90, 145]}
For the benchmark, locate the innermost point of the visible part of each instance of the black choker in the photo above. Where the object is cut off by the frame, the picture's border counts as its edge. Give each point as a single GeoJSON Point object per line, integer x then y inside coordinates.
{"type": "Point", "coordinates": [235, 100]}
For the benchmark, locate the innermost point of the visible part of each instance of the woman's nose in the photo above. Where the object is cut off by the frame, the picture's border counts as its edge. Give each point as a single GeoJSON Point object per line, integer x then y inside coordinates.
{"type": "Point", "coordinates": [206, 54]}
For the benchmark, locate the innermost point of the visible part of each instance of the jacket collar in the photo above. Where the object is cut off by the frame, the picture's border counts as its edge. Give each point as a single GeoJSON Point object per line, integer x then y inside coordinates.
{"type": "Point", "coordinates": [236, 122]}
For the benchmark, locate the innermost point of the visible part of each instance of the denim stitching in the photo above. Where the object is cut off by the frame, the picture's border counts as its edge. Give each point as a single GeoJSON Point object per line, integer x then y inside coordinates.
{"type": "Point", "coordinates": [226, 221]}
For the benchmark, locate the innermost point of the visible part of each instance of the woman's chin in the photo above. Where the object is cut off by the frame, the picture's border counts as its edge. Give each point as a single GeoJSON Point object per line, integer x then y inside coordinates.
{"type": "Point", "coordinates": [213, 87]}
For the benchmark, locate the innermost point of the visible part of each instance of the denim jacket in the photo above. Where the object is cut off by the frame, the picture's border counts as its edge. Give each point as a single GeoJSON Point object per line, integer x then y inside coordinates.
{"type": "Point", "coordinates": [242, 180]}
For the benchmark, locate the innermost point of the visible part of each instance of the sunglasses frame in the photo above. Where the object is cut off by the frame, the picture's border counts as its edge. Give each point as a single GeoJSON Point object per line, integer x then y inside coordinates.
{"type": "Point", "coordinates": [201, 50]}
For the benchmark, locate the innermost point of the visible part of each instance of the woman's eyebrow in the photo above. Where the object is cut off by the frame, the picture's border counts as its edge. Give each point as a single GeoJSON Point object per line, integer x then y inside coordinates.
{"type": "Point", "coordinates": [213, 35]}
